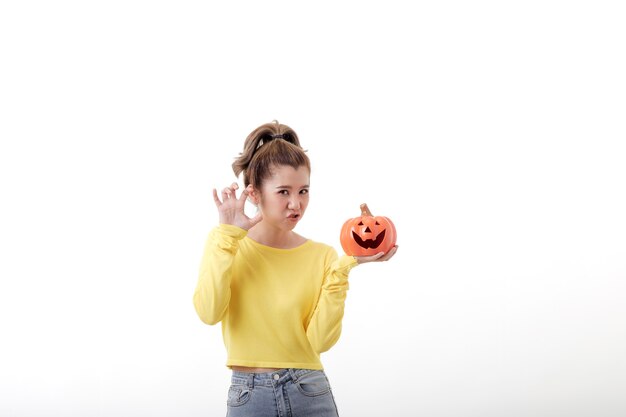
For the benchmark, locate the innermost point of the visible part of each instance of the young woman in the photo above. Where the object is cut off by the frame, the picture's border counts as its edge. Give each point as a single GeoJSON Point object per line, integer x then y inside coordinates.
{"type": "Point", "coordinates": [280, 297]}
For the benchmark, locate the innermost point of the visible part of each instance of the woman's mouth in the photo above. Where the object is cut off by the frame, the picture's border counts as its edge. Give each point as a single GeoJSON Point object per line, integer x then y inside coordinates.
{"type": "Point", "coordinates": [294, 217]}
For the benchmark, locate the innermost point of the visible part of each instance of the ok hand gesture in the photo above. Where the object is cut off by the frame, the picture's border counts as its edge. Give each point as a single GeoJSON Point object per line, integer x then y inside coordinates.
{"type": "Point", "coordinates": [231, 208]}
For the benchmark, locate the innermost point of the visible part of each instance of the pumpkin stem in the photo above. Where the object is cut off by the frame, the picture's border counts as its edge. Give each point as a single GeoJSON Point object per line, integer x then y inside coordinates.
{"type": "Point", "coordinates": [365, 211]}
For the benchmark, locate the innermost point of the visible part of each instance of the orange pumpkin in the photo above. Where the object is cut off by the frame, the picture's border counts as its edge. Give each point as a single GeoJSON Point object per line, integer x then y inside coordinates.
{"type": "Point", "coordinates": [367, 235]}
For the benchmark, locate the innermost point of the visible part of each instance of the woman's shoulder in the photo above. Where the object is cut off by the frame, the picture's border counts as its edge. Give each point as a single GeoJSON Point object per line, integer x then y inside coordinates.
{"type": "Point", "coordinates": [321, 247]}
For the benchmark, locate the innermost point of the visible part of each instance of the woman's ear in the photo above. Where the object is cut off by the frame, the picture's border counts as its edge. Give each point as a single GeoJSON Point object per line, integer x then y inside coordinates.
{"type": "Point", "coordinates": [253, 195]}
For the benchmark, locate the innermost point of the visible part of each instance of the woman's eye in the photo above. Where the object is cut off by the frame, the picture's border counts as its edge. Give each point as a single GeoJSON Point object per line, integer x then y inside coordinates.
{"type": "Point", "coordinates": [283, 192]}
{"type": "Point", "coordinates": [304, 191]}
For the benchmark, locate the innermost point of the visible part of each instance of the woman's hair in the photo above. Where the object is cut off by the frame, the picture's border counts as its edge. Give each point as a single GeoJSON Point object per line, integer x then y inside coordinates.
{"type": "Point", "coordinates": [269, 145]}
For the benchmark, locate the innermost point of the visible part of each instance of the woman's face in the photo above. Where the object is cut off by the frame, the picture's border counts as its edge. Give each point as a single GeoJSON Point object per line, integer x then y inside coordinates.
{"type": "Point", "coordinates": [285, 196]}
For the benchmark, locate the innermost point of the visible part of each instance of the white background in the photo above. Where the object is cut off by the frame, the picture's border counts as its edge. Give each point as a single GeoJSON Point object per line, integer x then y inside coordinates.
{"type": "Point", "coordinates": [492, 133]}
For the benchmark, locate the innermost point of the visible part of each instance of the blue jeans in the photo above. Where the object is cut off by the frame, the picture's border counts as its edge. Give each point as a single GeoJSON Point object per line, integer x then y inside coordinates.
{"type": "Point", "coordinates": [282, 393]}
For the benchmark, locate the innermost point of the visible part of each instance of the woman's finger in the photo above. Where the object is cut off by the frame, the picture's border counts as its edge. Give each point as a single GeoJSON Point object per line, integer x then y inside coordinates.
{"type": "Point", "coordinates": [389, 254]}
{"type": "Point", "coordinates": [244, 194]}
{"type": "Point", "coordinates": [365, 259]}
{"type": "Point", "coordinates": [230, 191]}
{"type": "Point", "coordinates": [379, 257]}
{"type": "Point", "coordinates": [216, 198]}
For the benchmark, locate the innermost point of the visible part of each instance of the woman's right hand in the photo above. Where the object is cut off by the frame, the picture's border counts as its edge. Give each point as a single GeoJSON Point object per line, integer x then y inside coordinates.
{"type": "Point", "coordinates": [231, 208]}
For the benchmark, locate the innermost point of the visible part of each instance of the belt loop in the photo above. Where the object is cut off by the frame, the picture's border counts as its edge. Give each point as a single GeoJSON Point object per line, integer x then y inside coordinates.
{"type": "Point", "coordinates": [292, 372]}
{"type": "Point", "coordinates": [251, 381]}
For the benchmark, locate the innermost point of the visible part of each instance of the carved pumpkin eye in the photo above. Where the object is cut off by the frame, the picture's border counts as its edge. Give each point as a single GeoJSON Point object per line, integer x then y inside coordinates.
{"type": "Point", "coordinates": [377, 224]}
{"type": "Point", "coordinates": [360, 224]}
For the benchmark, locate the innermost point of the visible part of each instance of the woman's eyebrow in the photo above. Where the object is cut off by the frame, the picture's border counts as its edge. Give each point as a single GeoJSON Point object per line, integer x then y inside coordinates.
{"type": "Point", "coordinates": [290, 187]}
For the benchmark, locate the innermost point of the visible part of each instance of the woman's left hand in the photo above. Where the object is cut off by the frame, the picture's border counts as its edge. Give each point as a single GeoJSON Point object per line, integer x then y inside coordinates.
{"type": "Point", "coordinates": [379, 257]}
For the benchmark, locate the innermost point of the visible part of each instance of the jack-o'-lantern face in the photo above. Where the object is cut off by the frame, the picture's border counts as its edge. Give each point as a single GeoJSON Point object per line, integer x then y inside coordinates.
{"type": "Point", "coordinates": [367, 235]}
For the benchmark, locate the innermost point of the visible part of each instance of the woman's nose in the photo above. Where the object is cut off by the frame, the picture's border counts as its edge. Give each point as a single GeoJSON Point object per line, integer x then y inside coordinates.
{"type": "Point", "coordinates": [294, 203]}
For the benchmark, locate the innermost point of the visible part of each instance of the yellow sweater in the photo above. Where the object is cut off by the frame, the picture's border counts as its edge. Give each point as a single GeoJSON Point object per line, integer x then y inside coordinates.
{"type": "Point", "coordinates": [280, 308]}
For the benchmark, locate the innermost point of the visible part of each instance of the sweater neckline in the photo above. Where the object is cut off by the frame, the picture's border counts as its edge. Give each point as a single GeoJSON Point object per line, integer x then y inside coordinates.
{"type": "Point", "coordinates": [279, 250]}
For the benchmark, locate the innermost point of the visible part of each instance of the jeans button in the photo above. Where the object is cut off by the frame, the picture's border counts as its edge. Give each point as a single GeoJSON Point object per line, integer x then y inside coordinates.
{"type": "Point", "coordinates": [276, 377]}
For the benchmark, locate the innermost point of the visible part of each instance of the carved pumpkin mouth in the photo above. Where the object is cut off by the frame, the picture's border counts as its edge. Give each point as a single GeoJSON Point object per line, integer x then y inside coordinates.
{"type": "Point", "coordinates": [369, 243]}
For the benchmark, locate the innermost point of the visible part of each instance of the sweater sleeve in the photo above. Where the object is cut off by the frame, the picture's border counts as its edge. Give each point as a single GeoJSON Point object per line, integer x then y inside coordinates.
{"type": "Point", "coordinates": [324, 327]}
{"type": "Point", "coordinates": [212, 293]}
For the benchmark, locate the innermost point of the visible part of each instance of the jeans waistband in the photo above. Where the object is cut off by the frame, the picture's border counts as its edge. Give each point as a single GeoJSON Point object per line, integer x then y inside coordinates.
{"type": "Point", "coordinates": [268, 378]}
